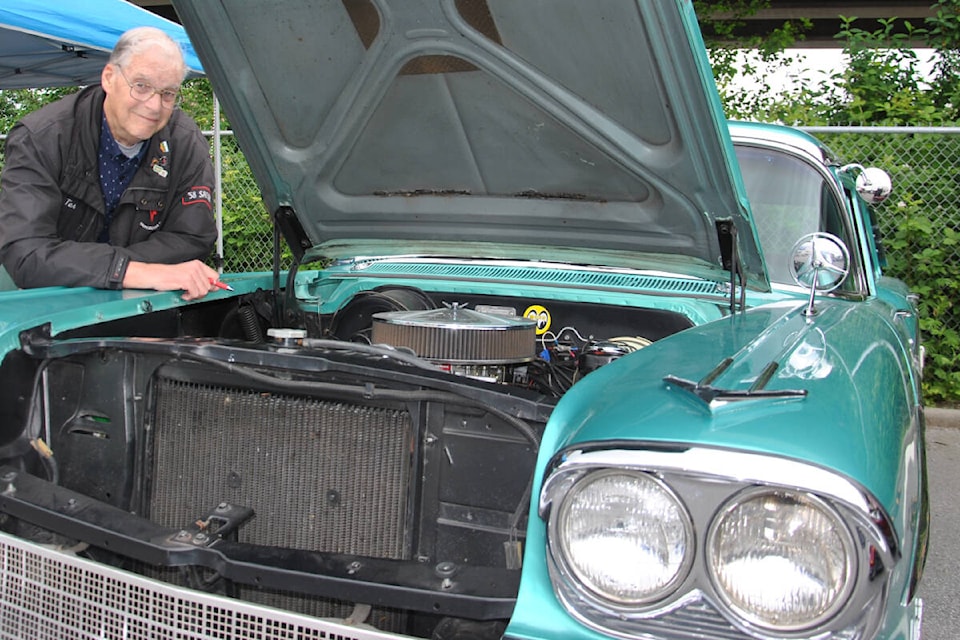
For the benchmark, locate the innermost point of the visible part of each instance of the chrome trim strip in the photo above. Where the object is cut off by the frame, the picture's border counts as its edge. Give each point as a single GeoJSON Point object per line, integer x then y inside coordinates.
{"type": "Point", "coordinates": [731, 466]}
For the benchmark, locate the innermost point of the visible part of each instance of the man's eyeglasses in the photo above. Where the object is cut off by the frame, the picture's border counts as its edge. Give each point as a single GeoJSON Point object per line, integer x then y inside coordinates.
{"type": "Point", "coordinates": [142, 91]}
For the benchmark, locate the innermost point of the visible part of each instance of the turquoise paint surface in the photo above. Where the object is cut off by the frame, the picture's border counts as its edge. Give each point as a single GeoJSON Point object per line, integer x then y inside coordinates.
{"type": "Point", "coordinates": [842, 424]}
{"type": "Point", "coordinates": [66, 308]}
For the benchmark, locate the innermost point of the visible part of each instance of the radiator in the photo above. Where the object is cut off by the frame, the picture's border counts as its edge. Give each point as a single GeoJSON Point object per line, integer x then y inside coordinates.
{"type": "Point", "coordinates": [320, 475]}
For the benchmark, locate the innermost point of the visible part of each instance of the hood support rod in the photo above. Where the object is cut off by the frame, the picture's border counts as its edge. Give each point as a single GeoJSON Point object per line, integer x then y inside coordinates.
{"type": "Point", "coordinates": [731, 261]}
{"type": "Point", "coordinates": [285, 223]}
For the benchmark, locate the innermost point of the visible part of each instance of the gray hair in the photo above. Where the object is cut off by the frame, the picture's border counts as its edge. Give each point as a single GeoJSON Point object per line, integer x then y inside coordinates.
{"type": "Point", "coordinates": [139, 39]}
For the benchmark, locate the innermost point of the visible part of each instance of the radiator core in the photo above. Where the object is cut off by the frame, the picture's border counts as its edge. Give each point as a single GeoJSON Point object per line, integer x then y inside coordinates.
{"type": "Point", "coordinates": [320, 475]}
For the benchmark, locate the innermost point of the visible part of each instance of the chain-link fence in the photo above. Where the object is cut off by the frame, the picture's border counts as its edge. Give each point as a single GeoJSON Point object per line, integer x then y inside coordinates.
{"type": "Point", "coordinates": [920, 226]}
{"type": "Point", "coordinates": [924, 163]}
{"type": "Point", "coordinates": [247, 230]}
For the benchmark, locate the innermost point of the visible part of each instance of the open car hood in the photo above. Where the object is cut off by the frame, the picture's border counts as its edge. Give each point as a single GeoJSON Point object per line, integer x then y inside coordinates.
{"type": "Point", "coordinates": [555, 130]}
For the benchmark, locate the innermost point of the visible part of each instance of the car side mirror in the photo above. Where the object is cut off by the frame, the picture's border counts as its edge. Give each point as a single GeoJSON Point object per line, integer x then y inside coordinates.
{"type": "Point", "coordinates": [819, 262]}
{"type": "Point", "coordinates": [874, 185]}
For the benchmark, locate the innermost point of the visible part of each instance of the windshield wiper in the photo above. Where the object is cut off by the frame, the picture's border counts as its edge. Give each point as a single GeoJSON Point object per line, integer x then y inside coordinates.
{"type": "Point", "coordinates": [705, 390]}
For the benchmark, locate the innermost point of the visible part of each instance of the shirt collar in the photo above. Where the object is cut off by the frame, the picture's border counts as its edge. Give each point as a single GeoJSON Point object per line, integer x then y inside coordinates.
{"type": "Point", "coordinates": [109, 145]}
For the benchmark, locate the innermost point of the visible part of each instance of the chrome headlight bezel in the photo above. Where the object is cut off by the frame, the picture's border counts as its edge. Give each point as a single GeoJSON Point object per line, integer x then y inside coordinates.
{"type": "Point", "coordinates": [702, 478]}
{"type": "Point", "coordinates": [843, 537]}
{"type": "Point", "coordinates": [577, 569]}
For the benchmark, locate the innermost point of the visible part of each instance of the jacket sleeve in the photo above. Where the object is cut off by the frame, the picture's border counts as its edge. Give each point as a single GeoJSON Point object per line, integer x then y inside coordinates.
{"type": "Point", "coordinates": [30, 203]}
{"type": "Point", "coordinates": [189, 230]}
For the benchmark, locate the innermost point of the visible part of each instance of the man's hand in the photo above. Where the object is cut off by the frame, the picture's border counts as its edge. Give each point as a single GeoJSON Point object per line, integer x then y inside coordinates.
{"type": "Point", "coordinates": [194, 278]}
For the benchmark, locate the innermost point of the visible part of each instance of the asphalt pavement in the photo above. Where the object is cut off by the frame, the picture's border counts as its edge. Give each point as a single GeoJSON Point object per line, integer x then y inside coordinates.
{"type": "Point", "coordinates": [940, 586]}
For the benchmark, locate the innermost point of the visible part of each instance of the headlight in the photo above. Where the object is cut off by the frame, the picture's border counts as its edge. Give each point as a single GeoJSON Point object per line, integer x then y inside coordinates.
{"type": "Point", "coordinates": [783, 560]}
{"type": "Point", "coordinates": [624, 536]}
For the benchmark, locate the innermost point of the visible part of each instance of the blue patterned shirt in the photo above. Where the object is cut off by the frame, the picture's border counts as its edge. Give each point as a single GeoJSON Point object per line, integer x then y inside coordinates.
{"type": "Point", "coordinates": [116, 172]}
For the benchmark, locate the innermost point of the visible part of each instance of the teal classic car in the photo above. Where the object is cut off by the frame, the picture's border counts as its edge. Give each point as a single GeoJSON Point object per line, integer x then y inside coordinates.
{"type": "Point", "coordinates": [563, 355]}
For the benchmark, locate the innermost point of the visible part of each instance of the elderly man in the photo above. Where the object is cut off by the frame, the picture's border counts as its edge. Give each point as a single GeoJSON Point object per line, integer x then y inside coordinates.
{"type": "Point", "coordinates": [111, 187]}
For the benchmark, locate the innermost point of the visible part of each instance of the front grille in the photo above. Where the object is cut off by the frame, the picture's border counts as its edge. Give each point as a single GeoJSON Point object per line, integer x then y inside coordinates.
{"type": "Point", "coordinates": [320, 476]}
{"type": "Point", "coordinates": [52, 595]}
{"type": "Point", "coordinates": [696, 620]}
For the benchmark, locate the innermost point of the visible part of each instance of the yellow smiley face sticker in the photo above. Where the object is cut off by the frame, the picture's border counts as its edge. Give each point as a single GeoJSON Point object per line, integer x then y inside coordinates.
{"type": "Point", "coordinates": [539, 315]}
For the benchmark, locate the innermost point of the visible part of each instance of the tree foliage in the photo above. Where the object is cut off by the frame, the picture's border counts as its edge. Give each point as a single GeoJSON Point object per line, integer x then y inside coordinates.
{"type": "Point", "coordinates": [880, 83]}
{"type": "Point", "coordinates": [924, 251]}
{"type": "Point", "coordinates": [734, 54]}
{"type": "Point", "coordinates": [943, 34]}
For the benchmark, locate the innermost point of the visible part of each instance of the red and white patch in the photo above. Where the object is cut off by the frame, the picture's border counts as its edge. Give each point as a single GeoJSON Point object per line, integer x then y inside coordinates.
{"type": "Point", "coordinates": [198, 195]}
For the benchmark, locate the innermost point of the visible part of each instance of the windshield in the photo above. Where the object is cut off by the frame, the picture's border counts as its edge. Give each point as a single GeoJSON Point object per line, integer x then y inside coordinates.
{"type": "Point", "coordinates": [789, 199]}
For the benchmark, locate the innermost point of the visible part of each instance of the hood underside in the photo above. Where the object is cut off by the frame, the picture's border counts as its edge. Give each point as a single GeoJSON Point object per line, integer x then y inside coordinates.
{"type": "Point", "coordinates": [409, 126]}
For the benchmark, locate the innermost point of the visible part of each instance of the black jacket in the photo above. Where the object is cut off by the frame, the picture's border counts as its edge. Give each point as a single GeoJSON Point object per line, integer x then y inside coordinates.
{"type": "Point", "coordinates": [52, 209]}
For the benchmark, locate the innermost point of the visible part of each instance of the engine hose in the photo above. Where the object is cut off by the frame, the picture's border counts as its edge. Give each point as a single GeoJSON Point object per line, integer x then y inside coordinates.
{"type": "Point", "coordinates": [250, 325]}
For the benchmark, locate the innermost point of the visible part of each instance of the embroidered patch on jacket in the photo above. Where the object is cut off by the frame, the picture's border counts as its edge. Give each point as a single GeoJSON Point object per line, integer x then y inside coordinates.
{"type": "Point", "coordinates": [154, 224]}
{"type": "Point", "coordinates": [198, 195]}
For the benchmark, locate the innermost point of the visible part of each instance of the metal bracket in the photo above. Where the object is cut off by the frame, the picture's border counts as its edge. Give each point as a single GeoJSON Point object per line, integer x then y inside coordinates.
{"type": "Point", "coordinates": [220, 524]}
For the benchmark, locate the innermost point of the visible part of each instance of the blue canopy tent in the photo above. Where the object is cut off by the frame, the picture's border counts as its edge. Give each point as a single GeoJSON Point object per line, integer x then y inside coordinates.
{"type": "Point", "coordinates": [66, 43]}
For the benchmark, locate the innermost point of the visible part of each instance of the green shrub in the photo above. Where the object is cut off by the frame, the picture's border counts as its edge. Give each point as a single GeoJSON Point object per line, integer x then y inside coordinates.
{"type": "Point", "coordinates": [922, 252]}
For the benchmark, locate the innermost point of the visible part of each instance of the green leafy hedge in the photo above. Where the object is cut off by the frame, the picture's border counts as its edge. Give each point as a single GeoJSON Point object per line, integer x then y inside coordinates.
{"type": "Point", "coordinates": [923, 252]}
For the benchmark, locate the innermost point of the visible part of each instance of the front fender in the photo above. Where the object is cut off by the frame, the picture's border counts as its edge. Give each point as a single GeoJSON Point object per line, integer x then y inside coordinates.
{"type": "Point", "coordinates": [858, 415]}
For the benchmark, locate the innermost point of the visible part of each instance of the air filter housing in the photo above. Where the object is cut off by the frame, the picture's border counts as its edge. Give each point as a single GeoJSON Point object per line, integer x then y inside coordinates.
{"type": "Point", "coordinates": [456, 335]}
